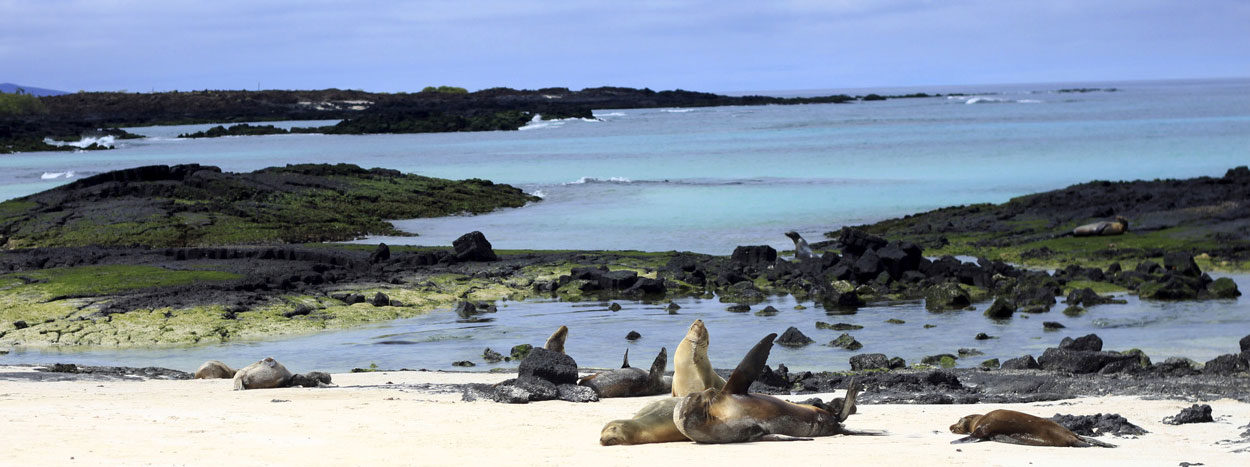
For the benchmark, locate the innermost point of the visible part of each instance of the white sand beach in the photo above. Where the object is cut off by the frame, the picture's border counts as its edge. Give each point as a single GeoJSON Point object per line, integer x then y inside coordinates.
{"type": "Point", "coordinates": [204, 422]}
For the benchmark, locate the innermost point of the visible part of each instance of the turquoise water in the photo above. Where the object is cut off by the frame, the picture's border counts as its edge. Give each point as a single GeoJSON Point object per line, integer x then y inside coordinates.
{"type": "Point", "coordinates": [710, 179]}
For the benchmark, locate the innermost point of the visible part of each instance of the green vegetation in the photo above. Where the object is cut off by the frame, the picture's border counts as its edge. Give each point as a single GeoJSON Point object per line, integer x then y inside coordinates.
{"type": "Point", "coordinates": [91, 281]}
{"type": "Point", "coordinates": [446, 89]}
{"type": "Point", "coordinates": [20, 104]}
{"type": "Point", "coordinates": [163, 206]}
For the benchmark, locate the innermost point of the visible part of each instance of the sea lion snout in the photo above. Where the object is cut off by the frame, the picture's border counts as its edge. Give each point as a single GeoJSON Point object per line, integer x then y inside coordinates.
{"type": "Point", "coordinates": [964, 425]}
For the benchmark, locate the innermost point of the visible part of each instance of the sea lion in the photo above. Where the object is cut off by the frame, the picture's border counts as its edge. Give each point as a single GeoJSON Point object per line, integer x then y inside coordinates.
{"type": "Point", "coordinates": [214, 369]}
{"type": "Point", "coordinates": [652, 424]}
{"type": "Point", "coordinates": [730, 415]}
{"type": "Point", "coordinates": [1009, 426]}
{"type": "Point", "coordinates": [801, 249]}
{"type": "Point", "coordinates": [1116, 227]}
{"type": "Point", "coordinates": [628, 381]}
{"type": "Point", "coordinates": [555, 343]}
{"type": "Point", "coordinates": [692, 371]}
{"type": "Point", "coordinates": [265, 374]}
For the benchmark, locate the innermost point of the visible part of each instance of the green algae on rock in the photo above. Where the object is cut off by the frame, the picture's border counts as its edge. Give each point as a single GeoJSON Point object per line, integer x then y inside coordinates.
{"type": "Point", "coordinates": [194, 205]}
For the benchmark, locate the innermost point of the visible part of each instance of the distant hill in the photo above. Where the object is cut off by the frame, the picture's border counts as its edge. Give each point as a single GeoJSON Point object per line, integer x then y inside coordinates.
{"type": "Point", "coordinates": [12, 88]}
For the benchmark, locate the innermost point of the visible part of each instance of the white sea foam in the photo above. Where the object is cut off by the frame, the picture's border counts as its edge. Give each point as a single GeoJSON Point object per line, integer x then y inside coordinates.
{"type": "Point", "coordinates": [585, 180]}
{"type": "Point", "coordinates": [56, 175]}
{"type": "Point", "coordinates": [538, 123]}
{"type": "Point", "coordinates": [106, 141]}
{"type": "Point", "coordinates": [611, 114]}
{"type": "Point", "coordinates": [539, 193]}
{"type": "Point", "coordinates": [677, 111]}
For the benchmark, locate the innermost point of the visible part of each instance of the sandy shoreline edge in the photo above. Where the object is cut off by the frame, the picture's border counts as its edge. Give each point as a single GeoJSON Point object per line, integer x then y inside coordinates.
{"type": "Point", "coordinates": [408, 418]}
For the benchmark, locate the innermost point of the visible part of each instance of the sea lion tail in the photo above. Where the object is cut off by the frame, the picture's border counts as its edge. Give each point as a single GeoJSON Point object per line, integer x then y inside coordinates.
{"type": "Point", "coordinates": [750, 367]}
{"type": "Point", "coordinates": [777, 437]}
{"type": "Point", "coordinates": [1091, 442]}
{"type": "Point", "coordinates": [625, 364]}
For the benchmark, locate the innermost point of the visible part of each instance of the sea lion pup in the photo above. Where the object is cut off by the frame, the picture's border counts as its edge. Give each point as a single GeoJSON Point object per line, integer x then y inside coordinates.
{"type": "Point", "coordinates": [555, 343]}
{"type": "Point", "coordinates": [801, 250]}
{"type": "Point", "coordinates": [692, 371]}
{"type": "Point", "coordinates": [628, 381]}
{"type": "Point", "coordinates": [1116, 227]}
{"type": "Point", "coordinates": [214, 369]}
{"type": "Point", "coordinates": [730, 415]}
{"type": "Point", "coordinates": [652, 424]}
{"type": "Point", "coordinates": [1009, 426]}
{"type": "Point", "coordinates": [265, 374]}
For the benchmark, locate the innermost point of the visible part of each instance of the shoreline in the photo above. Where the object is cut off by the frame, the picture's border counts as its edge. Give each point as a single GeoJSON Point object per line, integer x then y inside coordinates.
{"type": "Point", "coordinates": [416, 420]}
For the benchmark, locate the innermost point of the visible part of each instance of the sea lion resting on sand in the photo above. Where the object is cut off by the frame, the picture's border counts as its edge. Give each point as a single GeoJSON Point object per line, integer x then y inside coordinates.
{"type": "Point", "coordinates": [628, 381]}
{"type": "Point", "coordinates": [1116, 227]}
{"type": "Point", "coordinates": [652, 424]}
{"type": "Point", "coordinates": [730, 415]}
{"type": "Point", "coordinates": [801, 249]}
{"type": "Point", "coordinates": [214, 369]}
{"type": "Point", "coordinates": [692, 371]}
{"type": "Point", "coordinates": [265, 374]}
{"type": "Point", "coordinates": [1009, 426]}
{"type": "Point", "coordinates": [555, 343]}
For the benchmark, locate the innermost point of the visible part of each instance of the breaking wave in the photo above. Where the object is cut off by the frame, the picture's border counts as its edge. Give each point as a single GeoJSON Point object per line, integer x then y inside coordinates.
{"type": "Point", "coordinates": [106, 141]}
{"type": "Point", "coordinates": [56, 175]}
{"type": "Point", "coordinates": [538, 123]}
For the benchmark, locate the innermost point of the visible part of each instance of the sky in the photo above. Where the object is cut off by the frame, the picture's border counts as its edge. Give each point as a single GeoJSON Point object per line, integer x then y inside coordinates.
{"type": "Point", "coordinates": [718, 46]}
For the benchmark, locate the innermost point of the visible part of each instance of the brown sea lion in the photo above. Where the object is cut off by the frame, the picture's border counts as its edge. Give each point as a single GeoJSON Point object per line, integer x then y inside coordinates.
{"type": "Point", "coordinates": [265, 374]}
{"type": "Point", "coordinates": [1116, 227]}
{"type": "Point", "coordinates": [214, 369]}
{"type": "Point", "coordinates": [628, 381]}
{"type": "Point", "coordinates": [555, 343]}
{"type": "Point", "coordinates": [692, 371]}
{"type": "Point", "coordinates": [652, 424]}
{"type": "Point", "coordinates": [730, 415]}
{"type": "Point", "coordinates": [1009, 426]}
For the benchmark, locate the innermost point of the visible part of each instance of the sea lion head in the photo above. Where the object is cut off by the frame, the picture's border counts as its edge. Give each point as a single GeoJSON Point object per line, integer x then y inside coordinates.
{"type": "Point", "coordinates": [793, 235]}
{"type": "Point", "coordinates": [1123, 221]}
{"type": "Point", "coordinates": [555, 343]}
{"type": "Point", "coordinates": [964, 425]}
{"type": "Point", "coordinates": [269, 362]}
{"type": "Point", "coordinates": [697, 334]}
{"type": "Point", "coordinates": [619, 432]}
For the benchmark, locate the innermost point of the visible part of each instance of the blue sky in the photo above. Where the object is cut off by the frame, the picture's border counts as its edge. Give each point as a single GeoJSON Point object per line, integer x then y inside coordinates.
{"type": "Point", "coordinates": [723, 46]}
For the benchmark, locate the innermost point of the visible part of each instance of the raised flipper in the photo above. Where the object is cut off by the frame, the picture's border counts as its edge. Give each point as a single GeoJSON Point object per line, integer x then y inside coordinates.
{"type": "Point", "coordinates": [848, 403]}
{"type": "Point", "coordinates": [750, 367]}
{"type": "Point", "coordinates": [656, 375]}
{"type": "Point", "coordinates": [626, 363]}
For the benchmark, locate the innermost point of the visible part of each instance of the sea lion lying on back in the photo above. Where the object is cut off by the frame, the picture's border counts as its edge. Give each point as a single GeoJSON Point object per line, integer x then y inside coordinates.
{"type": "Point", "coordinates": [1009, 426]}
{"type": "Point", "coordinates": [730, 415]}
{"type": "Point", "coordinates": [692, 371]}
{"type": "Point", "coordinates": [265, 374]}
{"type": "Point", "coordinates": [652, 424]}
{"type": "Point", "coordinates": [555, 343]}
{"type": "Point", "coordinates": [1116, 227]}
{"type": "Point", "coordinates": [628, 381]}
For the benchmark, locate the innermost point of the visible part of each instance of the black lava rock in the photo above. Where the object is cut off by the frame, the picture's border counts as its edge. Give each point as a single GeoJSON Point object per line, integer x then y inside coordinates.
{"type": "Point", "coordinates": [1052, 325]}
{"type": "Point", "coordinates": [1079, 361]}
{"type": "Point", "coordinates": [1227, 364]}
{"type": "Point", "coordinates": [793, 338]}
{"type": "Point", "coordinates": [380, 254]}
{"type": "Point", "coordinates": [1193, 414]}
{"type": "Point", "coordinates": [575, 393]}
{"type": "Point", "coordinates": [556, 367]}
{"type": "Point", "coordinates": [1001, 308]}
{"type": "Point", "coordinates": [1090, 342]}
{"type": "Point", "coordinates": [473, 246]}
{"type": "Point", "coordinates": [754, 255]}
{"type": "Point", "coordinates": [1098, 425]}
{"type": "Point", "coordinates": [1021, 363]}
{"type": "Point", "coordinates": [845, 341]}
{"type": "Point", "coordinates": [869, 361]}
{"type": "Point", "coordinates": [614, 306]}
{"type": "Point", "coordinates": [1245, 344]}
{"type": "Point", "coordinates": [633, 336]}
{"type": "Point", "coordinates": [380, 299]}
{"type": "Point", "coordinates": [301, 309]}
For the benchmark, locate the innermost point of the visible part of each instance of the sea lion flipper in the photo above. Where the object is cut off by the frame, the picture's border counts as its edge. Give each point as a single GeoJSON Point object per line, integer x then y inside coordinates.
{"type": "Point", "coordinates": [848, 402]}
{"type": "Point", "coordinates": [1024, 439]}
{"type": "Point", "coordinates": [777, 437]}
{"type": "Point", "coordinates": [657, 367]}
{"type": "Point", "coordinates": [750, 367]}
{"type": "Point", "coordinates": [968, 439]}
{"type": "Point", "coordinates": [625, 364]}
{"type": "Point", "coordinates": [1091, 442]}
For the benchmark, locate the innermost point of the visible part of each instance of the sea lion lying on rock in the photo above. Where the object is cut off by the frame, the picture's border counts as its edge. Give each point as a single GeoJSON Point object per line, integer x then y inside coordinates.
{"type": "Point", "coordinates": [801, 248]}
{"type": "Point", "coordinates": [731, 415]}
{"type": "Point", "coordinates": [692, 371]}
{"type": "Point", "coordinates": [214, 369]}
{"type": "Point", "coordinates": [555, 343]}
{"type": "Point", "coordinates": [1009, 426]}
{"type": "Point", "coordinates": [1116, 227]}
{"type": "Point", "coordinates": [628, 381]}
